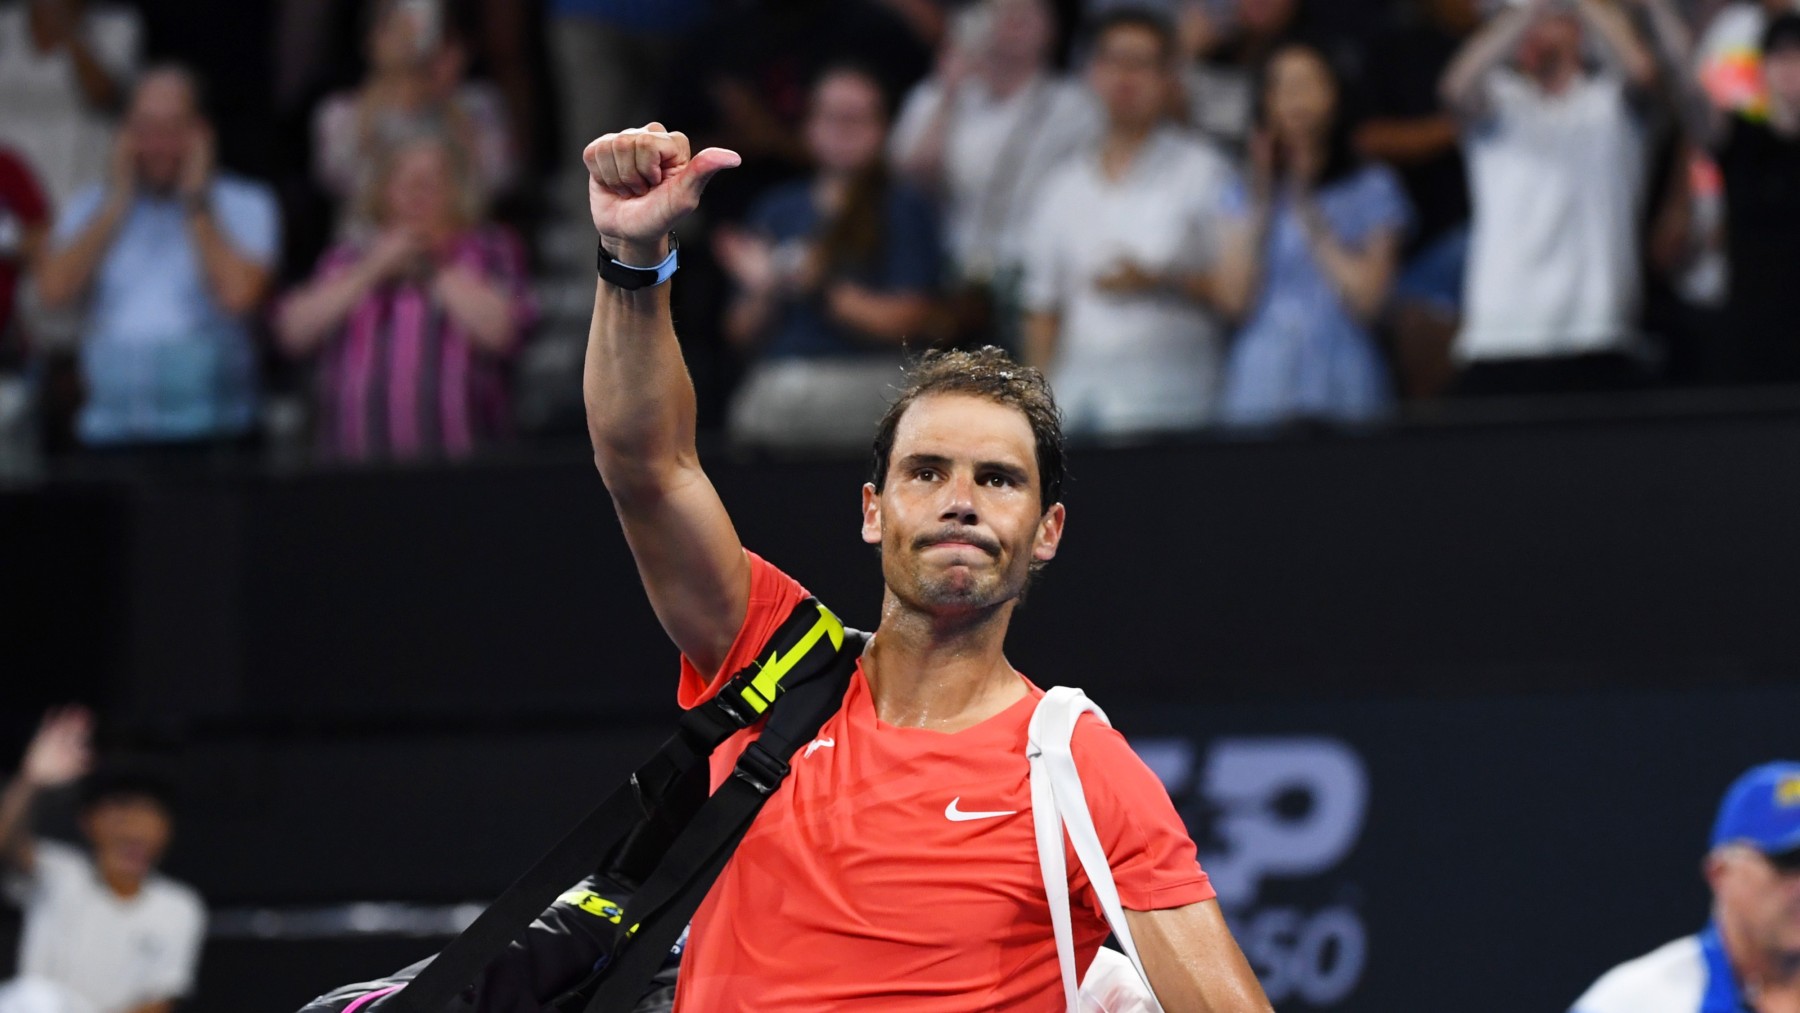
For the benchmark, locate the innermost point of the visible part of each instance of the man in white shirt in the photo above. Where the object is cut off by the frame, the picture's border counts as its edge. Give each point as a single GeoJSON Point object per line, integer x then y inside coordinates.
{"type": "Point", "coordinates": [104, 932]}
{"type": "Point", "coordinates": [1557, 159]}
{"type": "Point", "coordinates": [1116, 273]}
{"type": "Point", "coordinates": [988, 126]}
{"type": "Point", "coordinates": [1748, 957]}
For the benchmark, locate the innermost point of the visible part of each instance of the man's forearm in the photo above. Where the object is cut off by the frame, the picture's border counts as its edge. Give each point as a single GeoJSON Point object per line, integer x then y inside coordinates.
{"type": "Point", "coordinates": [65, 273]}
{"type": "Point", "coordinates": [236, 281]}
{"type": "Point", "coordinates": [1619, 42]}
{"type": "Point", "coordinates": [1408, 141]}
{"type": "Point", "coordinates": [640, 400]}
{"type": "Point", "coordinates": [15, 818]}
{"type": "Point", "coordinates": [98, 86]}
{"type": "Point", "coordinates": [1483, 53]}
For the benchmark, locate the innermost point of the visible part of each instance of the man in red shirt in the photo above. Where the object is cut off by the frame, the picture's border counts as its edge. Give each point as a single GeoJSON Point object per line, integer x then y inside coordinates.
{"type": "Point", "coordinates": [896, 866]}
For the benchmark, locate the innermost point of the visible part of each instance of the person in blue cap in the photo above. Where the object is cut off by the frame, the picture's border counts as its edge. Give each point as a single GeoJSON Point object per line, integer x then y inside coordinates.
{"type": "Point", "coordinates": [1747, 959]}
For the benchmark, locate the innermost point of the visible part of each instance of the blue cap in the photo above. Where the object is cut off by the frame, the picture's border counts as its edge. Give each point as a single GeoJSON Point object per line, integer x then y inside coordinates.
{"type": "Point", "coordinates": [1762, 809]}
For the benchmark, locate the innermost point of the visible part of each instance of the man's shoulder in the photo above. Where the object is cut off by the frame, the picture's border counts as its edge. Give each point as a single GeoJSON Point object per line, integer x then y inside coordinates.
{"type": "Point", "coordinates": [1198, 159]}
{"type": "Point", "coordinates": [175, 896]}
{"type": "Point", "coordinates": [1669, 979]}
{"type": "Point", "coordinates": [54, 858]}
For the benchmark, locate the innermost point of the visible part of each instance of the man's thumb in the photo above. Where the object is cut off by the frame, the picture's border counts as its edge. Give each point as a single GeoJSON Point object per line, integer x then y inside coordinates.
{"type": "Point", "coordinates": [704, 166]}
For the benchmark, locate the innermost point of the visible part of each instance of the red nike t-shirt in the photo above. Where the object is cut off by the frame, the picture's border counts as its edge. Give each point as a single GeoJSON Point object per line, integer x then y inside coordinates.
{"type": "Point", "coordinates": [898, 867]}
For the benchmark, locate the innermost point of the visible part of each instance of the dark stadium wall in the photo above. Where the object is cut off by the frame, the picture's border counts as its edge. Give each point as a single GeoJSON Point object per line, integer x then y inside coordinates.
{"type": "Point", "coordinates": [1447, 709]}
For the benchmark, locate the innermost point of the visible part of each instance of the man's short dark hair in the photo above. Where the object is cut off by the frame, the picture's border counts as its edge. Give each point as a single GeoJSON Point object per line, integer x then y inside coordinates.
{"type": "Point", "coordinates": [124, 785]}
{"type": "Point", "coordinates": [985, 373]}
{"type": "Point", "coordinates": [1144, 18]}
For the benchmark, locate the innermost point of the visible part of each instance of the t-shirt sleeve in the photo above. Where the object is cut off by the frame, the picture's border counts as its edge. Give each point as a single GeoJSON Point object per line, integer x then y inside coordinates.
{"type": "Point", "coordinates": [55, 868]}
{"type": "Point", "coordinates": [1209, 206]}
{"type": "Point", "coordinates": [252, 220]}
{"type": "Point", "coordinates": [1377, 203]}
{"type": "Point", "coordinates": [915, 115]}
{"type": "Point", "coordinates": [773, 594]}
{"type": "Point", "coordinates": [74, 217]}
{"type": "Point", "coordinates": [116, 37]}
{"type": "Point", "coordinates": [173, 976]}
{"type": "Point", "coordinates": [1154, 863]}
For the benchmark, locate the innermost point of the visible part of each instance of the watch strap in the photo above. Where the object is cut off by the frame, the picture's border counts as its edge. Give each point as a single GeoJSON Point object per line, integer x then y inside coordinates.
{"type": "Point", "coordinates": [631, 277]}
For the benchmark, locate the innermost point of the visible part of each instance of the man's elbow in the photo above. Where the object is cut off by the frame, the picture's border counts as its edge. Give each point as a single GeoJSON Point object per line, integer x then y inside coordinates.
{"type": "Point", "coordinates": [634, 479]}
{"type": "Point", "coordinates": [242, 295]}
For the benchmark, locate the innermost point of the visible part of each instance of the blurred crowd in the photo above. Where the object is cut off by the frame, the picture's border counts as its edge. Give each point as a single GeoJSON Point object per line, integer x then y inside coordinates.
{"type": "Point", "coordinates": [360, 233]}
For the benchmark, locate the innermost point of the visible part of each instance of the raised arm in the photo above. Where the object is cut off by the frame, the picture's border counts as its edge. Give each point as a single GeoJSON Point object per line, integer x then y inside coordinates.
{"type": "Point", "coordinates": [1485, 50]}
{"type": "Point", "coordinates": [1619, 43]}
{"type": "Point", "coordinates": [59, 753]}
{"type": "Point", "coordinates": [640, 400]}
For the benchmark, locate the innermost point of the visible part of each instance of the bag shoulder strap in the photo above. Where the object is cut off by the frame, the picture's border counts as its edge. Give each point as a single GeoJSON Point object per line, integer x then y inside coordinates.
{"type": "Point", "coordinates": [663, 906]}
{"type": "Point", "coordinates": [808, 647]}
{"type": "Point", "coordinates": [1058, 804]}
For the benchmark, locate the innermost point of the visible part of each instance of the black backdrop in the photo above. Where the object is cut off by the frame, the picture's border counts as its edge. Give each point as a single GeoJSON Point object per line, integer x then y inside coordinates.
{"type": "Point", "coordinates": [1541, 650]}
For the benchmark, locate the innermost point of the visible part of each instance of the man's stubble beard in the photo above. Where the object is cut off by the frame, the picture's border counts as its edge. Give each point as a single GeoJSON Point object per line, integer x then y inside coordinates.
{"type": "Point", "coordinates": [923, 590]}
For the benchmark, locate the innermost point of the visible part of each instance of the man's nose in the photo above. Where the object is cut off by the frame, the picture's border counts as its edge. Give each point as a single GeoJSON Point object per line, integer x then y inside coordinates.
{"type": "Point", "coordinates": [959, 500]}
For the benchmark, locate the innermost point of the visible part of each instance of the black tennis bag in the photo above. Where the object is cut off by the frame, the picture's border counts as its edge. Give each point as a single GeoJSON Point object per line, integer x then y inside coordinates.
{"type": "Point", "coordinates": [641, 861]}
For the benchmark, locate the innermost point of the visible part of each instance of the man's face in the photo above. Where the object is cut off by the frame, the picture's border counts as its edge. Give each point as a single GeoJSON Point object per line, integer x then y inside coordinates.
{"type": "Point", "coordinates": [846, 126]}
{"type": "Point", "coordinates": [1759, 897]}
{"type": "Point", "coordinates": [1131, 74]}
{"type": "Point", "coordinates": [1023, 30]}
{"type": "Point", "coordinates": [162, 126]}
{"type": "Point", "coordinates": [958, 520]}
{"type": "Point", "coordinates": [129, 835]}
{"type": "Point", "coordinates": [1551, 44]}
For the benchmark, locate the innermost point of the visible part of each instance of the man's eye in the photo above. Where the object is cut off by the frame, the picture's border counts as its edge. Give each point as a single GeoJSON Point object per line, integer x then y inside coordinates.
{"type": "Point", "coordinates": [1000, 481]}
{"type": "Point", "coordinates": [926, 475]}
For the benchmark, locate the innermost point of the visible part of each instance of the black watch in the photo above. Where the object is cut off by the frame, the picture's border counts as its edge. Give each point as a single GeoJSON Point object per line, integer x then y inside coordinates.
{"type": "Point", "coordinates": [628, 277]}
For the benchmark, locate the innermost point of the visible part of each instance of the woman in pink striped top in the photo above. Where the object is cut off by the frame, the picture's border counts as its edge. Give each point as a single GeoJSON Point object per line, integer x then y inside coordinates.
{"type": "Point", "coordinates": [412, 327]}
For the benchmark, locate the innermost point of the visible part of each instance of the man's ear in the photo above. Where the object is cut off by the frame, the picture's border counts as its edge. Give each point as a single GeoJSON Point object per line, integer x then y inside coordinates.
{"type": "Point", "coordinates": [1049, 534]}
{"type": "Point", "coordinates": [871, 514]}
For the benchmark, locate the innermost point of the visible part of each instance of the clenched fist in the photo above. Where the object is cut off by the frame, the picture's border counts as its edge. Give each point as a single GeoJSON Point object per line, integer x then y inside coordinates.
{"type": "Point", "coordinates": [641, 182]}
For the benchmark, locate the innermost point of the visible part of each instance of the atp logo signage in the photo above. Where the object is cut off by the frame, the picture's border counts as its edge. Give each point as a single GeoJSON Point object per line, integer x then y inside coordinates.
{"type": "Point", "coordinates": [1278, 812]}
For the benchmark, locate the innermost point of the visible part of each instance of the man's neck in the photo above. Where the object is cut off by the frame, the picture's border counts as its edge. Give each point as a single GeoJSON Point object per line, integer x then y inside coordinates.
{"type": "Point", "coordinates": [1121, 146]}
{"type": "Point", "coordinates": [1557, 79]}
{"type": "Point", "coordinates": [122, 886]}
{"type": "Point", "coordinates": [1006, 78]}
{"type": "Point", "coordinates": [941, 672]}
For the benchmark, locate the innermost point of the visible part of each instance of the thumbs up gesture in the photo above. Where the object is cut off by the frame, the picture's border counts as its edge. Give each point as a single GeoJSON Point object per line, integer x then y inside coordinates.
{"type": "Point", "coordinates": [641, 182]}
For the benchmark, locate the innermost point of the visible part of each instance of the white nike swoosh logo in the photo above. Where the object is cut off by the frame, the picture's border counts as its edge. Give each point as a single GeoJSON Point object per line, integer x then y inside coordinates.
{"type": "Point", "coordinates": [816, 745]}
{"type": "Point", "coordinates": [955, 815]}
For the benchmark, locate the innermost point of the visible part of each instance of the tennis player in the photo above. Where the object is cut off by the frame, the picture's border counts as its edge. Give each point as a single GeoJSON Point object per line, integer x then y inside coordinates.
{"type": "Point", "coordinates": [896, 867]}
